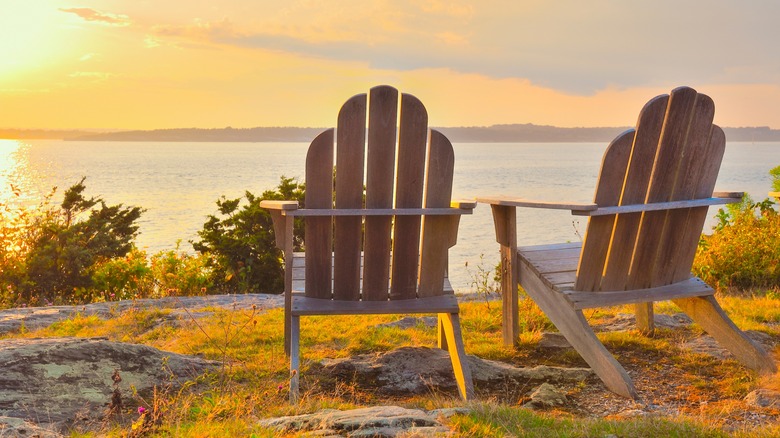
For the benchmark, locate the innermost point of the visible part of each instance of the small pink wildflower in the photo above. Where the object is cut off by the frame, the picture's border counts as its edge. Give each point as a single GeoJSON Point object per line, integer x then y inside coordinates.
{"type": "Point", "coordinates": [141, 410]}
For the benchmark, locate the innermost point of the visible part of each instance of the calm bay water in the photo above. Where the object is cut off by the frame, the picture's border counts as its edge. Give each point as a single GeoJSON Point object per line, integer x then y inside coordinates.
{"type": "Point", "coordinates": [178, 183]}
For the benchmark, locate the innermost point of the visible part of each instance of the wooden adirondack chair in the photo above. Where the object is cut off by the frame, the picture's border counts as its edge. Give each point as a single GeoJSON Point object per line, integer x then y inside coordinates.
{"type": "Point", "coordinates": [650, 205]}
{"type": "Point", "coordinates": [383, 251]}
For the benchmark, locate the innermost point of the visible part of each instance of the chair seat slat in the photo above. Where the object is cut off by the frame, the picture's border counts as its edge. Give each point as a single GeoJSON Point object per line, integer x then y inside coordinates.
{"type": "Point", "coordinates": [312, 306]}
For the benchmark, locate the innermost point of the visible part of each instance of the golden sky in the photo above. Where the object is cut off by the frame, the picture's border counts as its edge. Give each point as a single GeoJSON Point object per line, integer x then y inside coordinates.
{"type": "Point", "coordinates": [146, 64]}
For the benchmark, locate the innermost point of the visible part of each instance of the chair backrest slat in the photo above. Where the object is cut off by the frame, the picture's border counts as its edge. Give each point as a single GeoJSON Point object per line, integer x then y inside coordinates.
{"type": "Point", "coordinates": [608, 191]}
{"type": "Point", "coordinates": [436, 237]}
{"type": "Point", "coordinates": [350, 154]}
{"type": "Point", "coordinates": [412, 138]}
{"type": "Point", "coordinates": [706, 175]}
{"type": "Point", "coordinates": [319, 230]}
{"type": "Point", "coordinates": [676, 155]}
{"type": "Point", "coordinates": [383, 110]}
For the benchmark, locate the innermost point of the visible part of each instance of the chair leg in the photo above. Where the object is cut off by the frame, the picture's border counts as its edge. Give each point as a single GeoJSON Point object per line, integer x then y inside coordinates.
{"type": "Point", "coordinates": [644, 318]}
{"type": "Point", "coordinates": [575, 328]}
{"type": "Point", "coordinates": [295, 332]}
{"type": "Point", "coordinates": [441, 337]}
{"type": "Point", "coordinates": [706, 312]}
{"type": "Point", "coordinates": [450, 324]}
{"type": "Point", "coordinates": [287, 322]}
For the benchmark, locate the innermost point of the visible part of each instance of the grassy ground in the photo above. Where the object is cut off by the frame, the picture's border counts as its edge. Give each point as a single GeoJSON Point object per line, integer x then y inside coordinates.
{"type": "Point", "coordinates": [696, 395]}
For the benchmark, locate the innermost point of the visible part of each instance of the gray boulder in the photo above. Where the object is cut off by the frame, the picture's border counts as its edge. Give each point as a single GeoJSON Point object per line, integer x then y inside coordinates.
{"type": "Point", "coordinates": [67, 382]}
{"type": "Point", "coordinates": [547, 396]}
{"type": "Point", "coordinates": [418, 370]}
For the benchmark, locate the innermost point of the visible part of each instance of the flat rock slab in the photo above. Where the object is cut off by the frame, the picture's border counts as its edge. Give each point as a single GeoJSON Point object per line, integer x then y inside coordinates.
{"type": "Point", "coordinates": [16, 427]}
{"type": "Point", "coordinates": [32, 318]}
{"type": "Point", "coordinates": [64, 382]}
{"type": "Point", "coordinates": [418, 370]}
{"type": "Point", "coordinates": [706, 344]}
{"type": "Point", "coordinates": [763, 398]}
{"type": "Point", "coordinates": [377, 421]}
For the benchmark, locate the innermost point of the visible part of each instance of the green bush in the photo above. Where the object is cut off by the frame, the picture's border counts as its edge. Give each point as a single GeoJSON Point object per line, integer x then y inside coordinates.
{"type": "Point", "coordinates": [166, 273]}
{"type": "Point", "coordinates": [240, 243]}
{"type": "Point", "coordinates": [82, 251]}
{"type": "Point", "coordinates": [50, 252]}
{"type": "Point", "coordinates": [121, 278]}
{"type": "Point", "coordinates": [743, 253]}
{"type": "Point", "coordinates": [177, 273]}
{"type": "Point", "coordinates": [775, 173]}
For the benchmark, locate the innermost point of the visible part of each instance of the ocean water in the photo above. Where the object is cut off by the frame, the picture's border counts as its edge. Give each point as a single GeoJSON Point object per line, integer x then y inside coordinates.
{"type": "Point", "coordinates": [178, 183]}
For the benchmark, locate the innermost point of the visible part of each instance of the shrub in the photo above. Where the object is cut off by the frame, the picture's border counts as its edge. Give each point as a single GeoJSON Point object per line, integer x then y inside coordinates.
{"type": "Point", "coordinates": [775, 174]}
{"type": "Point", "coordinates": [121, 278]}
{"type": "Point", "coordinates": [241, 245]}
{"type": "Point", "coordinates": [50, 253]}
{"type": "Point", "coordinates": [744, 250]}
{"type": "Point", "coordinates": [177, 273]}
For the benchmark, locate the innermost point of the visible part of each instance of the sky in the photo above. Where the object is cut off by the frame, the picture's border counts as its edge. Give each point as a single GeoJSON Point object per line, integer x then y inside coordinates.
{"type": "Point", "coordinates": [153, 64]}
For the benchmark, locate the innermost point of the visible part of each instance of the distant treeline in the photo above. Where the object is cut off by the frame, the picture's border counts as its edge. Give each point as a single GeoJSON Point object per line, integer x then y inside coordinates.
{"type": "Point", "coordinates": [528, 133]}
{"type": "Point", "coordinates": [514, 133]}
{"type": "Point", "coordinates": [272, 134]}
{"type": "Point", "coordinates": [29, 134]}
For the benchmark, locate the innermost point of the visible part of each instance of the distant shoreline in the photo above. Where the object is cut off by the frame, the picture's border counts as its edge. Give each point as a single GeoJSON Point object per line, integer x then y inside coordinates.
{"type": "Point", "coordinates": [514, 133]}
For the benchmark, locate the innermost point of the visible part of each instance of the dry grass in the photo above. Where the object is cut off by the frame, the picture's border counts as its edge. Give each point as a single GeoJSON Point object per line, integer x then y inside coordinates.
{"type": "Point", "coordinates": [691, 394]}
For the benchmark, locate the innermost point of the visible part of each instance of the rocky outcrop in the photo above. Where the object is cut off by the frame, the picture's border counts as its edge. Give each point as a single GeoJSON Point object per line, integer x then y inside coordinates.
{"type": "Point", "coordinates": [32, 318]}
{"type": "Point", "coordinates": [419, 370]}
{"type": "Point", "coordinates": [65, 382]}
{"type": "Point", "coordinates": [378, 421]}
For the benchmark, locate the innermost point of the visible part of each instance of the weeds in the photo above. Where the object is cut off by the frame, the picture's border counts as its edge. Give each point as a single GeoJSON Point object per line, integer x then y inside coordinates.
{"type": "Point", "coordinates": [485, 282]}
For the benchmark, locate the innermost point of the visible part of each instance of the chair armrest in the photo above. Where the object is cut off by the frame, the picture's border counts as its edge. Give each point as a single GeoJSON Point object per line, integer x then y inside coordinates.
{"type": "Point", "coordinates": [283, 226]}
{"type": "Point", "coordinates": [468, 204]}
{"type": "Point", "coordinates": [582, 209]}
{"type": "Point", "coordinates": [314, 212]}
{"type": "Point", "coordinates": [671, 205]}
{"type": "Point", "coordinates": [279, 205]}
{"type": "Point", "coordinates": [507, 201]}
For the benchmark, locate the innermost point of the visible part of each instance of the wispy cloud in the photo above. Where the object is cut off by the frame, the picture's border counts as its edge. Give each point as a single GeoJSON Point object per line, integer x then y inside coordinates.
{"type": "Point", "coordinates": [89, 14]}
{"type": "Point", "coordinates": [151, 42]}
{"type": "Point", "coordinates": [97, 75]}
{"type": "Point", "coordinates": [577, 48]}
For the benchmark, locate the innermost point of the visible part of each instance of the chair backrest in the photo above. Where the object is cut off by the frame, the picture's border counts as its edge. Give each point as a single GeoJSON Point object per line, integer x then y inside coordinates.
{"type": "Point", "coordinates": [401, 165]}
{"type": "Point", "coordinates": [673, 154]}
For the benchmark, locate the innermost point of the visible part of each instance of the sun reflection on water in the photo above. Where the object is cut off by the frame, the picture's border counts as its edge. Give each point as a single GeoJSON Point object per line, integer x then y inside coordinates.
{"type": "Point", "coordinates": [8, 151]}
{"type": "Point", "coordinates": [14, 178]}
